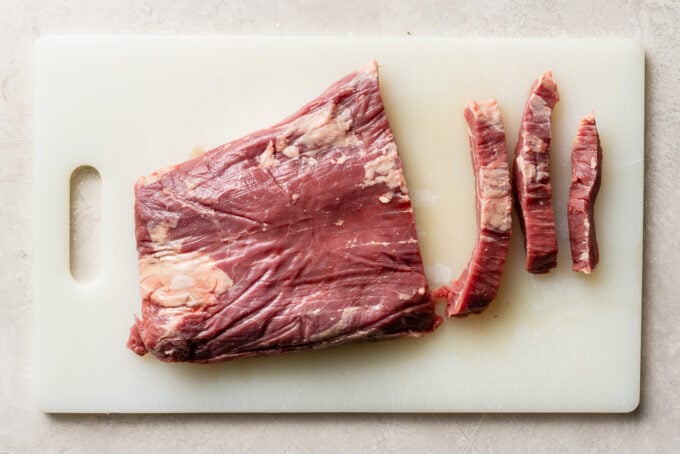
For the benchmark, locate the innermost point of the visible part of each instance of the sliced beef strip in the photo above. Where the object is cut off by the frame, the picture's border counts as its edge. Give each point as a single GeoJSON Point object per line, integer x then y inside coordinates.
{"type": "Point", "coordinates": [532, 185]}
{"type": "Point", "coordinates": [296, 237]}
{"type": "Point", "coordinates": [478, 284]}
{"type": "Point", "coordinates": [586, 174]}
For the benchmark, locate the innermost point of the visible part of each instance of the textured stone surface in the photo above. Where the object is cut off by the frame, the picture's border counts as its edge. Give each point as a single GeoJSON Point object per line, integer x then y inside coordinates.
{"type": "Point", "coordinates": [652, 428]}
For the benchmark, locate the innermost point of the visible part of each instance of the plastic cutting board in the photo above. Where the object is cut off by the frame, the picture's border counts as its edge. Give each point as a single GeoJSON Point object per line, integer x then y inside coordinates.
{"type": "Point", "coordinates": [561, 342]}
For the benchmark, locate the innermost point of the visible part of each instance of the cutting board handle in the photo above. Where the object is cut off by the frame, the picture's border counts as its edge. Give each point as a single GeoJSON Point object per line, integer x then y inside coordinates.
{"type": "Point", "coordinates": [85, 215]}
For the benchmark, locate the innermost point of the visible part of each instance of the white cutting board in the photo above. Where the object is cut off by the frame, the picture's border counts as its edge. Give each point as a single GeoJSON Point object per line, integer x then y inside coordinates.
{"type": "Point", "coordinates": [562, 342]}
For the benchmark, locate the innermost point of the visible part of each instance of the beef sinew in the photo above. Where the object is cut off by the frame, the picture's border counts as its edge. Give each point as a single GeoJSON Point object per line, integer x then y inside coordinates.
{"type": "Point", "coordinates": [478, 284]}
{"type": "Point", "coordinates": [296, 237]}
{"type": "Point", "coordinates": [532, 185]}
{"type": "Point", "coordinates": [586, 174]}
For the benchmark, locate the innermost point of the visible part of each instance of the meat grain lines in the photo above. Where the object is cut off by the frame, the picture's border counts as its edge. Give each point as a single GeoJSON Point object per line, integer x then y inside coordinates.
{"type": "Point", "coordinates": [296, 237]}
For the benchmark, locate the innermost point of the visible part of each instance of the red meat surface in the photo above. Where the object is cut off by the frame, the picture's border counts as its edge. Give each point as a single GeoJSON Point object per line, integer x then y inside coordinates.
{"type": "Point", "coordinates": [586, 174]}
{"type": "Point", "coordinates": [532, 183]}
{"type": "Point", "coordinates": [296, 237]}
{"type": "Point", "coordinates": [478, 284]}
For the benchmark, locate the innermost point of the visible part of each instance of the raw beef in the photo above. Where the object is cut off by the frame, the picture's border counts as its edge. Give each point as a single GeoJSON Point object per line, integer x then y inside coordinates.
{"type": "Point", "coordinates": [532, 186]}
{"type": "Point", "coordinates": [478, 284]}
{"type": "Point", "coordinates": [296, 237]}
{"type": "Point", "coordinates": [586, 173]}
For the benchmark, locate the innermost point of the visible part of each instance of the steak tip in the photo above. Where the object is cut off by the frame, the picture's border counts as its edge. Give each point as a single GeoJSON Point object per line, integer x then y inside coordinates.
{"type": "Point", "coordinates": [546, 85]}
{"type": "Point", "coordinates": [472, 105]}
{"type": "Point", "coordinates": [475, 106]}
{"type": "Point", "coordinates": [371, 68]}
{"type": "Point", "coordinates": [546, 77]}
{"type": "Point", "coordinates": [589, 118]}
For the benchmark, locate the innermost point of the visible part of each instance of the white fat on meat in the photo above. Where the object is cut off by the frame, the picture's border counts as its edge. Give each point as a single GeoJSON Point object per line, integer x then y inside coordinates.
{"type": "Point", "coordinates": [405, 297]}
{"type": "Point", "coordinates": [527, 168]}
{"type": "Point", "coordinates": [495, 200]}
{"type": "Point", "coordinates": [386, 197]}
{"type": "Point", "coordinates": [341, 324]}
{"type": "Point", "coordinates": [291, 151]}
{"type": "Point", "coordinates": [267, 158]}
{"type": "Point", "coordinates": [384, 169]}
{"type": "Point", "coordinates": [339, 161]}
{"type": "Point", "coordinates": [324, 128]}
{"type": "Point", "coordinates": [158, 231]}
{"type": "Point", "coordinates": [187, 280]}
{"type": "Point", "coordinates": [318, 130]}
{"type": "Point", "coordinates": [531, 171]}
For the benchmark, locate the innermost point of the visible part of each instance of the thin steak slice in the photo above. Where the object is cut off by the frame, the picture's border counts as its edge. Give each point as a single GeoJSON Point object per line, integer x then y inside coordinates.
{"type": "Point", "coordinates": [296, 237]}
{"type": "Point", "coordinates": [586, 174]}
{"type": "Point", "coordinates": [532, 186]}
{"type": "Point", "coordinates": [478, 284]}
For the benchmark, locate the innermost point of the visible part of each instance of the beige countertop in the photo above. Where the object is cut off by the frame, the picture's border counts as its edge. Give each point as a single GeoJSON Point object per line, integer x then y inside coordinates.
{"type": "Point", "coordinates": [653, 427]}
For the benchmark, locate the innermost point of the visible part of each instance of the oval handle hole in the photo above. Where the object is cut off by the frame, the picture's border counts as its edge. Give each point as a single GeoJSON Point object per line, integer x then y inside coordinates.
{"type": "Point", "coordinates": [85, 224]}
